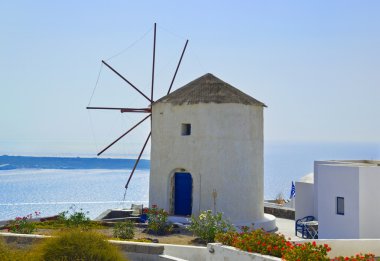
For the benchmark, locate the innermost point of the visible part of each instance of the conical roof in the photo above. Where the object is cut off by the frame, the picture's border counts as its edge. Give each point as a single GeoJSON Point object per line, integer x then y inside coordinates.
{"type": "Point", "coordinates": [209, 89]}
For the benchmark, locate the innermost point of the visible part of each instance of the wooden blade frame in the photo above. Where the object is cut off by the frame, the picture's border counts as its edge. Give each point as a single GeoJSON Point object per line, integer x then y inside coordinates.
{"type": "Point", "coordinates": [151, 101]}
{"type": "Point", "coordinates": [154, 61]}
{"type": "Point", "coordinates": [128, 131]}
{"type": "Point", "coordinates": [137, 161]}
{"type": "Point", "coordinates": [122, 77]}
{"type": "Point", "coordinates": [146, 110]}
{"type": "Point", "coordinates": [179, 63]}
{"type": "Point", "coordinates": [139, 110]}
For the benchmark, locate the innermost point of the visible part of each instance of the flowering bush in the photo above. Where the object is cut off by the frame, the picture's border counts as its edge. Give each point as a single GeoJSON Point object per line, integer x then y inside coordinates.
{"type": "Point", "coordinates": [357, 257]}
{"type": "Point", "coordinates": [157, 221]}
{"type": "Point", "coordinates": [207, 225]}
{"type": "Point", "coordinates": [124, 230]}
{"type": "Point", "coordinates": [75, 218]}
{"type": "Point", "coordinates": [306, 251]}
{"type": "Point", "coordinates": [257, 241]}
{"type": "Point", "coordinates": [261, 242]}
{"type": "Point", "coordinates": [23, 225]}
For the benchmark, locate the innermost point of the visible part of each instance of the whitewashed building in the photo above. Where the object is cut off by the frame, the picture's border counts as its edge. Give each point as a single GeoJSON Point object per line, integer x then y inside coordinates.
{"type": "Point", "coordinates": [343, 197]}
{"type": "Point", "coordinates": [207, 153]}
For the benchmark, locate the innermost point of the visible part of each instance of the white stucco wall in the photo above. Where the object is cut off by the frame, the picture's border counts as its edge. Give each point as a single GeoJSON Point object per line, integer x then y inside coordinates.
{"type": "Point", "coordinates": [348, 247]}
{"type": "Point", "coordinates": [337, 181]}
{"type": "Point", "coordinates": [219, 252]}
{"type": "Point", "coordinates": [224, 152]}
{"type": "Point", "coordinates": [369, 193]}
{"type": "Point", "coordinates": [304, 200]}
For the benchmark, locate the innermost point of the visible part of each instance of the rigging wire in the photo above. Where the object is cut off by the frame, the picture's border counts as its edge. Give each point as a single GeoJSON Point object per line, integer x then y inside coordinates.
{"type": "Point", "coordinates": [184, 38]}
{"type": "Point", "coordinates": [92, 131]}
{"type": "Point", "coordinates": [170, 32]}
{"type": "Point", "coordinates": [88, 112]}
{"type": "Point", "coordinates": [130, 46]}
{"type": "Point", "coordinates": [96, 84]}
{"type": "Point", "coordinates": [122, 121]}
{"type": "Point", "coordinates": [199, 61]}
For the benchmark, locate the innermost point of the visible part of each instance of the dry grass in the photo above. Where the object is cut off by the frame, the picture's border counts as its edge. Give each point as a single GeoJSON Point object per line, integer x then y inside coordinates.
{"type": "Point", "coordinates": [183, 238]}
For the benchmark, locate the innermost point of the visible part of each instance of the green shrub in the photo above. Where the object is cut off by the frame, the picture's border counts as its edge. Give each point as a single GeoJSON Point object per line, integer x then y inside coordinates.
{"type": "Point", "coordinates": [207, 225]}
{"type": "Point", "coordinates": [74, 218]}
{"type": "Point", "coordinates": [158, 221]}
{"type": "Point", "coordinates": [73, 245]}
{"type": "Point", "coordinates": [124, 230]}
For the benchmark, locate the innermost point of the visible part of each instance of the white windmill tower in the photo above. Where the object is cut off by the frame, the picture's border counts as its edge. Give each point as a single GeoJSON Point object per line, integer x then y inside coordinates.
{"type": "Point", "coordinates": [207, 149]}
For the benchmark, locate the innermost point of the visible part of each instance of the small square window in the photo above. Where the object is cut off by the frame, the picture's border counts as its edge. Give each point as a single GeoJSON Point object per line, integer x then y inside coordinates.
{"type": "Point", "coordinates": [340, 206]}
{"type": "Point", "coordinates": [186, 129]}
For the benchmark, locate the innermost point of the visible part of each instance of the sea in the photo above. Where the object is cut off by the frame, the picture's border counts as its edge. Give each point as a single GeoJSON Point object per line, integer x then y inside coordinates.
{"type": "Point", "coordinates": [51, 185]}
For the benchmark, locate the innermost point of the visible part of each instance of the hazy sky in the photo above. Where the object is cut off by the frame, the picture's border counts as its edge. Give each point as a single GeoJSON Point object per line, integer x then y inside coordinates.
{"type": "Point", "coordinates": [316, 64]}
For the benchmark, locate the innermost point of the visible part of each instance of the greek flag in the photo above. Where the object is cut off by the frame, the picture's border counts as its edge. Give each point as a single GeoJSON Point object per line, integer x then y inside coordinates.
{"type": "Point", "coordinates": [293, 191]}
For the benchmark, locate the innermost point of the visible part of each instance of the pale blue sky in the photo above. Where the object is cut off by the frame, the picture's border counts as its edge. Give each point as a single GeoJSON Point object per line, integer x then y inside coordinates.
{"type": "Point", "coordinates": [314, 63]}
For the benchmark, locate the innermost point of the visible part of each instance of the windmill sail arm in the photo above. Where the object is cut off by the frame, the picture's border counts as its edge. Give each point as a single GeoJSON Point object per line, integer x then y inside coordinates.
{"type": "Point", "coordinates": [128, 131]}
{"type": "Point", "coordinates": [146, 110]}
{"type": "Point", "coordinates": [122, 77]}
{"type": "Point", "coordinates": [154, 61]}
{"type": "Point", "coordinates": [179, 63]}
{"type": "Point", "coordinates": [137, 161]}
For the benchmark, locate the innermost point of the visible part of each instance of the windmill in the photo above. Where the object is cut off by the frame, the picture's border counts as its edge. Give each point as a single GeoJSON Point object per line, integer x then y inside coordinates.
{"type": "Point", "coordinates": [146, 110]}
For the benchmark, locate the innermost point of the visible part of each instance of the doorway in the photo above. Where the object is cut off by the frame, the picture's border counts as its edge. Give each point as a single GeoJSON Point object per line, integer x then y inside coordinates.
{"type": "Point", "coordinates": [183, 188]}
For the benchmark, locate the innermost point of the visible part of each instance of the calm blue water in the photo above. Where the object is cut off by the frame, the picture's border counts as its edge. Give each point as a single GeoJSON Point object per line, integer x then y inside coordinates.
{"type": "Point", "coordinates": [52, 185]}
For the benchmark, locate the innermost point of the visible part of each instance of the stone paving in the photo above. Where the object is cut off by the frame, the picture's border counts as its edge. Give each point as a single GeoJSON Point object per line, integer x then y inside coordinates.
{"type": "Point", "coordinates": [287, 228]}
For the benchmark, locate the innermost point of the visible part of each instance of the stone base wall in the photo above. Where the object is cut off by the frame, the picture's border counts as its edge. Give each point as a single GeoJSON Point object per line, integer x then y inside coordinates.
{"type": "Point", "coordinates": [280, 212]}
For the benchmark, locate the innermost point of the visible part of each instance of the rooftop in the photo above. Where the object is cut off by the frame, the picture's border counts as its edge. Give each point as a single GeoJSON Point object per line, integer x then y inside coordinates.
{"type": "Point", "coordinates": [209, 89]}
{"type": "Point", "coordinates": [351, 163]}
{"type": "Point", "coordinates": [309, 178]}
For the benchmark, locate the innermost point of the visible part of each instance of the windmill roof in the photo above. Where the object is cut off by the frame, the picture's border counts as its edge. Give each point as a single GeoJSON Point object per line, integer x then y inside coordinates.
{"type": "Point", "coordinates": [209, 89]}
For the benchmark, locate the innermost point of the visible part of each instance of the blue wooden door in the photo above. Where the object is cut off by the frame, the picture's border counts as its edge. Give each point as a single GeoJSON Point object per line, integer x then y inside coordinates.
{"type": "Point", "coordinates": [182, 196]}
